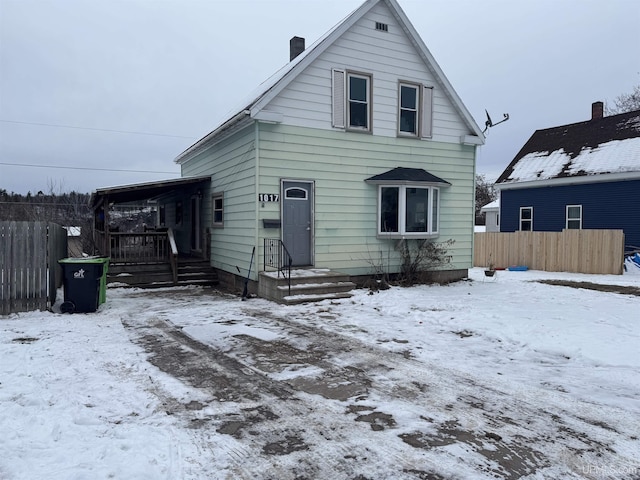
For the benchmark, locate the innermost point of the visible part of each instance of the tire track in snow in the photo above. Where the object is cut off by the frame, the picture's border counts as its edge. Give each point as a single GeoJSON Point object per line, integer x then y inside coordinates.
{"type": "Point", "coordinates": [501, 429]}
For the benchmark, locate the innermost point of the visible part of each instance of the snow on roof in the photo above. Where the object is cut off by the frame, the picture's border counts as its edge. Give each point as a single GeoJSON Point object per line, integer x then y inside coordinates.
{"type": "Point", "coordinates": [600, 146]}
{"type": "Point", "coordinates": [491, 205]}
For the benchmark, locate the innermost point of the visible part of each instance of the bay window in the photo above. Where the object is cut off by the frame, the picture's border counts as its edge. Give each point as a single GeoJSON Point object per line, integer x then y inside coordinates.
{"type": "Point", "coordinates": [408, 211]}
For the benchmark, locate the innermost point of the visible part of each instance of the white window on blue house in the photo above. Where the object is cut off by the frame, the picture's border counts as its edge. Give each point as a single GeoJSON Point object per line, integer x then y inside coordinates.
{"type": "Point", "coordinates": [526, 219]}
{"type": "Point", "coordinates": [574, 217]}
{"type": "Point", "coordinates": [407, 211]}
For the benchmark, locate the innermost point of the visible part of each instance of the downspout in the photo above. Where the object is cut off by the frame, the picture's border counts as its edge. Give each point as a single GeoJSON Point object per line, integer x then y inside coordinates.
{"type": "Point", "coordinates": [257, 184]}
{"type": "Point", "coordinates": [473, 222]}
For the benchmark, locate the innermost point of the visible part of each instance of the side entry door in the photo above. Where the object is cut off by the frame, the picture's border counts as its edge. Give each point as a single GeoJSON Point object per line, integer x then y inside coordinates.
{"type": "Point", "coordinates": [297, 220]}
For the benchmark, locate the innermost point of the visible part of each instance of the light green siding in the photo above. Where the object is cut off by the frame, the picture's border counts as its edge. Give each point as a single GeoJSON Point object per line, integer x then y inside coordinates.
{"type": "Point", "coordinates": [231, 164]}
{"type": "Point", "coordinates": [346, 207]}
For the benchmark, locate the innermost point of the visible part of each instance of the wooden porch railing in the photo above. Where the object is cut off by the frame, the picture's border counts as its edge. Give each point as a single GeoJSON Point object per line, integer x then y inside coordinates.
{"type": "Point", "coordinates": [147, 247]}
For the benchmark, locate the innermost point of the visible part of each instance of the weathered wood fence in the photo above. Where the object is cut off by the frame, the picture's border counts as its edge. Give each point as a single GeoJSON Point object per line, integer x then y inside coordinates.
{"type": "Point", "coordinates": [577, 251]}
{"type": "Point", "coordinates": [29, 269]}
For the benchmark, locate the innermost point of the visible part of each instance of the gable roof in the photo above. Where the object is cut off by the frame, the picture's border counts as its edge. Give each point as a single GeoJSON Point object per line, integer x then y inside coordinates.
{"type": "Point", "coordinates": [608, 145]}
{"type": "Point", "coordinates": [252, 107]}
{"type": "Point", "coordinates": [402, 175]}
{"type": "Point", "coordinates": [494, 206]}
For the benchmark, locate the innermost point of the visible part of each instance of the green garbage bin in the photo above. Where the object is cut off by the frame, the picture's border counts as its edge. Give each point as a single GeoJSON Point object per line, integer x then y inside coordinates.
{"type": "Point", "coordinates": [85, 283]}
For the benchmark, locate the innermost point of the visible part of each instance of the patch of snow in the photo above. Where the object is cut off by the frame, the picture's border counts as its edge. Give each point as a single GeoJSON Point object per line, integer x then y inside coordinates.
{"type": "Point", "coordinates": [79, 399]}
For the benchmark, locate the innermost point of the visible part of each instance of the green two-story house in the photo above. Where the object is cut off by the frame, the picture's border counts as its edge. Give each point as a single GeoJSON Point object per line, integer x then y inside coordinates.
{"type": "Point", "coordinates": [359, 142]}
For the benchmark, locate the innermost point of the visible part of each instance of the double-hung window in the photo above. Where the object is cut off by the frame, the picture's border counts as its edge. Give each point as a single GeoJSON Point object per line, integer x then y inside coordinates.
{"type": "Point", "coordinates": [574, 217]}
{"type": "Point", "coordinates": [217, 203]}
{"type": "Point", "coordinates": [359, 96]}
{"type": "Point", "coordinates": [415, 105]}
{"type": "Point", "coordinates": [408, 211]}
{"type": "Point", "coordinates": [352, 104]}
{"type": "Point", "coordinates": [409, 114]}
{"type": "Point", "coordinates": [526, 219]}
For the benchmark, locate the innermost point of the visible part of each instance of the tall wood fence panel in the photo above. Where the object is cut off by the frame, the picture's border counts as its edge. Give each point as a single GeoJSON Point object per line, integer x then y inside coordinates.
{"type": "Point", "coordinates": [29, 273]}
{"type": "Point", "coordinates": [576, 251]}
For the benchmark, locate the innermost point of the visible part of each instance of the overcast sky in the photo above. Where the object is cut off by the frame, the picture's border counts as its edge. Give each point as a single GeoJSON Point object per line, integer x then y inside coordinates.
{"type": "Point", "coordinates": [141, 80]}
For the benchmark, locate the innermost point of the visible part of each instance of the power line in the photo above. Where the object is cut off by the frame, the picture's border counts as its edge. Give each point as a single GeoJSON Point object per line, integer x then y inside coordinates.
{"type": "Point", "coordinates": [96, 129]}
{"type": "Point", "coordinates": [82, 168]}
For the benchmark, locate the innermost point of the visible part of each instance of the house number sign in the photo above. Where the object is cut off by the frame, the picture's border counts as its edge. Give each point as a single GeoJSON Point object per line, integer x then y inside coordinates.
{"type": "Point", "coordinates": [268, 197]}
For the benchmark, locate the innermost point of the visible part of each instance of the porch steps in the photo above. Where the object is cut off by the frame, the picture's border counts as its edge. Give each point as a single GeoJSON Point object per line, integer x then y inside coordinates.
{"type": "Point", "coordinates": [307, 285]}
{"type": "Point", "coordinates": [156, 275]}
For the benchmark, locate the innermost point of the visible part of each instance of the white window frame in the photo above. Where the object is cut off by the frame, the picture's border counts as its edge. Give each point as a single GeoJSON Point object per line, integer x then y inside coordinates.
{"type": "Point", "coordinates": [573, 219]}
{"type": "Point", "coordinates": [416, 110]}
{"type": "Point", "coordinates": [432, 212]}
{"type": "Point", "coordinates": [214, 210]}
{"type": "Point", "coordinates": [367, 102]}
{"type": "Point", "coordinates": [530, 220]}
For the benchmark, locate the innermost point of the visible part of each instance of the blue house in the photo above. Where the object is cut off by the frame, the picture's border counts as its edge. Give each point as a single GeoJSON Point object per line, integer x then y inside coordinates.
{"type": "Point", "coordinates": [579, 176]}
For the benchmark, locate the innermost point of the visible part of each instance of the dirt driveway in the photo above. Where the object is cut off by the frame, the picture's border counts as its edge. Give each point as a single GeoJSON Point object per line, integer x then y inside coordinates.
{"type": "Point", "coordinates": [321, 405]}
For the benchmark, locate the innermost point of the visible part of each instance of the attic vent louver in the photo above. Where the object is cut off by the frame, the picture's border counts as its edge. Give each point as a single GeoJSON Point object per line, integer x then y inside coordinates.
{"type": "Point", "coordinates": [383, 27]}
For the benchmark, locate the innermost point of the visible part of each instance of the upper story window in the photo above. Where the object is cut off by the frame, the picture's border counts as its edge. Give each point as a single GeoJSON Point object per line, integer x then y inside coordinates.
{"type": "Point", "coordinates": [408, 211]}
{"type": "Point", "coordinates": [409, 109]}
{"type": "Point", "coordinates": [359, 95]}
{"type": "Point", "coordinates": [351, 100]}
{"type": "Point", "coordinates": [415, 110]}
{"type": "Point", "coordinates": [526, 219]}
{"type": "Point", "coordinates": [574, 217]}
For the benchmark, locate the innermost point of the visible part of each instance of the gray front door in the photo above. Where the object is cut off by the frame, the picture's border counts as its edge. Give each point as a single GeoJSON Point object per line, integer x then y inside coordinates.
{"type": "Point", "coordinates": [297, 220]}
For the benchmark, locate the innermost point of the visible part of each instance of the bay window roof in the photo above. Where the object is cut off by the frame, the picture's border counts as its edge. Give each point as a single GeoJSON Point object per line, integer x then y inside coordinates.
{"type": "Point", "coordinates": [407, 176]}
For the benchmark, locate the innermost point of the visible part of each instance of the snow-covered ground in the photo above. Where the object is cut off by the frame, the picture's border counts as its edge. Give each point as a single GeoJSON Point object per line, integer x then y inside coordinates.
{"type": "Point", "coordinates": [79, 400]}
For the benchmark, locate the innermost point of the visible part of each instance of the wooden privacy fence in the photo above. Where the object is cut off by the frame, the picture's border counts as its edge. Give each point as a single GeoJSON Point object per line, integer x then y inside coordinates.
{"type": "Point", "coordinates": [577, 251]}
{"type": "Point", "coordinates": [29, 270]}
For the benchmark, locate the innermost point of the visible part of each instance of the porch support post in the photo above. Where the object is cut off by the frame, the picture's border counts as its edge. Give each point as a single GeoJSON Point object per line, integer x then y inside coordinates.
{"type": "Point", "coordinates": [107, 232]}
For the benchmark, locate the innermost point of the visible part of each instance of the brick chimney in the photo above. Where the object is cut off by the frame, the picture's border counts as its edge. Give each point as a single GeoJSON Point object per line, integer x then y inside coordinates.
{"type": "Point", "coordinates": [597, 110]}
{"type": "Point", "coordinates": [296, 47]}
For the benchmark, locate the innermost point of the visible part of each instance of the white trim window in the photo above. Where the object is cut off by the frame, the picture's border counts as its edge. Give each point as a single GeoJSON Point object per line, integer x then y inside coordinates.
{"type": "Point", "coordinates": [359, 102]}
{"type": "Point", "coordinates": [409, 110]}
{"type": "Point", "coordinates": [351, 102]}
{"type": "Point", "coordinates": [415, 110]}
{"type": "Point", "coordinates": [526, 219]}
{"type": "Point", "coordinates": [574, 217]}
{"type": "Point", "coordinates": [408, 211]}
{"type": "Point", "coordinates": [217, 209]}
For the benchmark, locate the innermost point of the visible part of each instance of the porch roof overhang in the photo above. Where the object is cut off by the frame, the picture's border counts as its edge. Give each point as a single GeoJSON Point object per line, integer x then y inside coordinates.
{"type": "Point", "coordinates": [407, 176]}
{"type": "Point", "coordinates": [141, 191]}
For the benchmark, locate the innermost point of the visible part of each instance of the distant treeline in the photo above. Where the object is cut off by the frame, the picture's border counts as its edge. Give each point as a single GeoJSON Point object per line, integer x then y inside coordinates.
{"type": "Point", "coordinates": [62, 208]}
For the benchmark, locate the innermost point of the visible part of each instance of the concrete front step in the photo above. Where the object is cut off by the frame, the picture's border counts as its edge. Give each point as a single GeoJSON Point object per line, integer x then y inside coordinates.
{"type": "Point", "coordinates": [298, 299]}
{"type": "Point", "coordinates": [307, 285]}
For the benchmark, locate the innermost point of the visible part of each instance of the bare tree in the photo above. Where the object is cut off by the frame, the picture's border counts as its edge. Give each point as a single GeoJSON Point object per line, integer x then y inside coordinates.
{"type": "Point", "coordinates": [625, 102]}
{"type": "Point", "coordinates": [485, 193]}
